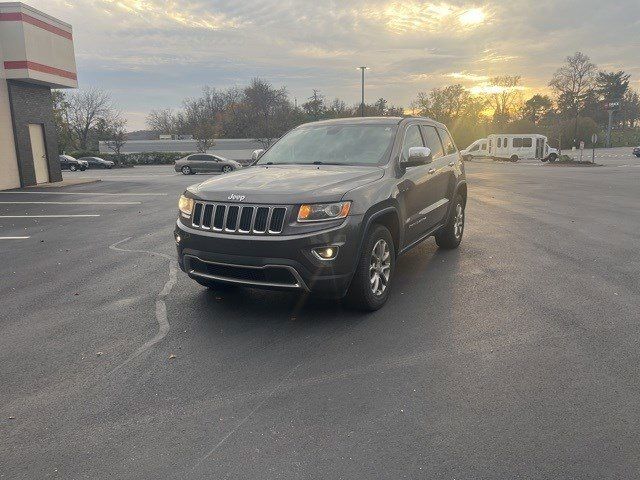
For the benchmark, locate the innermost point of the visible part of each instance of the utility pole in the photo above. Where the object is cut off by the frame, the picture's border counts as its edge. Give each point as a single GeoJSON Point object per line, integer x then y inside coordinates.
{"type": "Point", "coordinates": [363, 68]}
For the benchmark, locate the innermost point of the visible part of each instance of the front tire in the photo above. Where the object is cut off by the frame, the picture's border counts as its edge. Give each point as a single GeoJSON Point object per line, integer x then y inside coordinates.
{"type": "Point", "coordinates": [373, 277]}
{"type": "Point", "coordinates": [514, 158]}
{"type": "Point", "coordinates": [227, 169]}
{"type": "Point", "coordinates": [553, 157]}
{"type": "Point", "coordinates": [450, 236]}
{"type": "Point", "coordinates": [186, 170]}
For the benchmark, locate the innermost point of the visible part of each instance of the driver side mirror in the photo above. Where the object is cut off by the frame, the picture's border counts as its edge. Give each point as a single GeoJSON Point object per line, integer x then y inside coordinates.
{"type": "Point", "coordinates": [418, 156]}
{"type": "Point", "coordinates": [255, 156]}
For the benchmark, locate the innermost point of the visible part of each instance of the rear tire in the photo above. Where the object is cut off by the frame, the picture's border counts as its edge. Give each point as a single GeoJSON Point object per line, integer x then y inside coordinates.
{"type": "Point", "coordinates": [372, 280]}
{"type": "Point", "coordinates": [186, 170]}
{"type": "Point", "coordinates": [514, 158]}
{"type": "Point", "coordinates": [450, 236]}
{"type": "Point", "coordinates": [227, 169]}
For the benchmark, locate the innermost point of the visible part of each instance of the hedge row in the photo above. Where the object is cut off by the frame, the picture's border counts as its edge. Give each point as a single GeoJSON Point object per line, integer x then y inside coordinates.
{"type": "Point", "coordinates": [132, 159]}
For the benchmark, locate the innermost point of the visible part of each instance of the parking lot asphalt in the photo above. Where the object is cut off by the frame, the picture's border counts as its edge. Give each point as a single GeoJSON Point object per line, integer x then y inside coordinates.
{"type": "Point", "coordinates": [515, 356]}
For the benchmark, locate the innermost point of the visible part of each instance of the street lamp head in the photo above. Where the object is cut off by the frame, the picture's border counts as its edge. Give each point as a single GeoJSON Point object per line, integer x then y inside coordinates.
{"type": "Point", "coordinates": [363, 68]}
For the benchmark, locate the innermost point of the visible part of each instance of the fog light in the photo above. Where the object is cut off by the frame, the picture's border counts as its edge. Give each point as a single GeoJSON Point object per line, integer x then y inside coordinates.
{"type": "Point", "coordinates": [325, 253]}
{"type": "Point", "coordinates": [178, 238]}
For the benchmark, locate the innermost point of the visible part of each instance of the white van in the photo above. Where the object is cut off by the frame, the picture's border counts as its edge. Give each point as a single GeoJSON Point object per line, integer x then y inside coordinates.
{"type": "Point", "coordinates": [509, 146]}
{"type": "Point", "coordinates": [478, 149]}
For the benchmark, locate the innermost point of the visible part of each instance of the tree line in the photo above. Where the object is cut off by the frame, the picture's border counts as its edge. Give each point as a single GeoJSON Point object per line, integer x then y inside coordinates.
{"type": "Point", "coordinates": [572, 113]}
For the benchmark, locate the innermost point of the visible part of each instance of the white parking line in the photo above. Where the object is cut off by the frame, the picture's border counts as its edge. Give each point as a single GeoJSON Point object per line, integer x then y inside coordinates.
{"type": "Point", "coordinates": [87, 193]}
{"type": "Point", "coordinates": [47, 216]}
{"type": "Point", "coordinates": [72, 203]}
{"type": "Point", "coordinates": [14, 238]}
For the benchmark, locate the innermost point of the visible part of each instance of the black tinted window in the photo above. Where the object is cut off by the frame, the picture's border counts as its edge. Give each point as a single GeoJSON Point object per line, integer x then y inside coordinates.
{"type": "Point", "coordinates": [526, 142]}
{"type": "Point", "coordinates": [433, 141]}
{"type": "Point", "coordinates": [447, 142]}
{"type": "Point", "coordinates": [412, 138]}
{"type": "Point", "coordinates": [517, 142]}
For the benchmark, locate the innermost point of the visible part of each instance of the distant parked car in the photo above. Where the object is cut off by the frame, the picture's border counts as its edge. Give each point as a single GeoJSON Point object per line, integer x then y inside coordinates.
{"type": "Point", "coordinates": [97, 162]}
{"type": "Point", "coordinates": [636, 152]}
{"type": "Point", "coordinates": [205, 163]}
{"type": "Point", "coordinates": [67, 162]}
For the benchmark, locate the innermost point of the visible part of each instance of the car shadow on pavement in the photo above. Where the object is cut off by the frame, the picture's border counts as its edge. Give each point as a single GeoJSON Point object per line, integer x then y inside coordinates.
{"type": "Point", "coordinates": [421, 275]}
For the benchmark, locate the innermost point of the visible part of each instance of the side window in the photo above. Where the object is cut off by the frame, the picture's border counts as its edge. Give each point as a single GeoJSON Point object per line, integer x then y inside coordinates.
{"type": "Point", "coordinates": [209, 158]}
{"type": "Point", "coordinates": [412, 138]}
{"type": "Point", "coordinates": [527, 142]}
{"type": "Point", "coordinates": [484, 146]}
{"type": "Point", "coordinates": [505, 142]}
{"type": "Point", "coordinates": [447, 142]}
{"type": "Point", "coordinates": [475, 147]}
{"type": "Point", "coordinates": [433, 141]}
{"type": "Point", "coordinates": [517, 143]}
{"type": "Point", "coordinates": [500, 143]}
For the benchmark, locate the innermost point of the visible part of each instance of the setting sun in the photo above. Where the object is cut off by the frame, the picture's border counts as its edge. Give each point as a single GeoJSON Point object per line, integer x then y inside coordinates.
{"type": "Point", "coordinates": [475, 16]}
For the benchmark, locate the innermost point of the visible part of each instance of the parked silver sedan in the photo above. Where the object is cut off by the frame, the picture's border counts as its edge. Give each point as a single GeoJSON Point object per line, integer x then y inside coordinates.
{"type": "Point", "coordinates": [205, 163]}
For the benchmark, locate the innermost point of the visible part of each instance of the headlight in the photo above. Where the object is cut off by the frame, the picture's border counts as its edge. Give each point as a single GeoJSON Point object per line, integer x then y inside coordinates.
{"type": "Point", "coordinates": [185, 205]}
{"type": "Point", "coordinates": [323, 211]}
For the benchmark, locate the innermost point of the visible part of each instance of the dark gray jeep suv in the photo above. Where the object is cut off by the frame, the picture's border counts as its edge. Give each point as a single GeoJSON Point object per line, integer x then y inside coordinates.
{"type": "Point", "coordinates": [327, 209]}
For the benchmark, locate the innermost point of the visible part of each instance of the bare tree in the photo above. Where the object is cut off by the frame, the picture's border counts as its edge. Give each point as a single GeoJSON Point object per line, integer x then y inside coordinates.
{"type": "Point", "coordinates": [197, 120]}
{"type": "Point", "coordinates": [162, 121]}
{"type": "Point", "coordinates": [574, 83]}
{"type": "Point", "coordinates": [84, 110]}
{"type": "Point", "coordinates": [504, 97]}
{"type": "Point", "coordinates": [444, 104]}
{"type": "Point", "coordinates": [117, 133]}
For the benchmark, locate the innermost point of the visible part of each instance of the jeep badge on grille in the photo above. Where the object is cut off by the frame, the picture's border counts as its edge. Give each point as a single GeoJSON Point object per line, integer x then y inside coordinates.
{"type": "Point", "coordinates": [239, 198]}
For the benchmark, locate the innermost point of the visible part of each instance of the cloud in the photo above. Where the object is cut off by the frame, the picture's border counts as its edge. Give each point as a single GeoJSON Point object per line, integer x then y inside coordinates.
{"type": "Point", "coordinates": [153, 53]}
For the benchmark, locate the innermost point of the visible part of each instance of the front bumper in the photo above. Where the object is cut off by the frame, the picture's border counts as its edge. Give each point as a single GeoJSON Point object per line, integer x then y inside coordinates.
{"type": "Point", "coordinates": [273, 261]}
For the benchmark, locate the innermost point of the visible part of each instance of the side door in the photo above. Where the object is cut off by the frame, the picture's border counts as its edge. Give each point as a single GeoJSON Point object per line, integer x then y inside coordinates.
{"type": "Point", "coordinates": [415, 188]}
{"type": "Point", "coordinates": [443, 176]}
{"type": "Point", "coordinates": [196, 163]}
{"type": "Point", "coordinates": [207, 163]}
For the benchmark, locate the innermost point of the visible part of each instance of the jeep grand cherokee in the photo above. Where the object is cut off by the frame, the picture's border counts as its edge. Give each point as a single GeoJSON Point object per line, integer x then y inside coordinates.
{"type": "Point", "coordinates": [327, 209]}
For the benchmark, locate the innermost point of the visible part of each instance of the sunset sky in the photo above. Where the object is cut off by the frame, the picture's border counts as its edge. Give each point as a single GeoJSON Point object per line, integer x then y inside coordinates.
{"type": "Point", "coordinates": [152, 53]}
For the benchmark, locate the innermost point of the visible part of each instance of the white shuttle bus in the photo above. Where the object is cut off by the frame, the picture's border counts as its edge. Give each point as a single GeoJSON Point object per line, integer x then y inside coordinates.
{"type": "Point", "coordinates": [510, 146]}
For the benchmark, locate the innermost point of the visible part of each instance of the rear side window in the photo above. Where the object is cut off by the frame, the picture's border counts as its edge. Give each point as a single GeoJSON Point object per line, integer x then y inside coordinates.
{"type": "Point", "coordinates": [484, 146]}
{"type": "Point", "coordinates": [433, 141]}
{"type": "Point", "coordinates": [500, 143]}
{"type": "Point", "coordinates": [447, 142]}
{"type": "Point", "coordinates": [517, 143]}
{"type": "Point", "coordinates": [527, 142]}
{"type": "Point", "coordinates": [412, 138]}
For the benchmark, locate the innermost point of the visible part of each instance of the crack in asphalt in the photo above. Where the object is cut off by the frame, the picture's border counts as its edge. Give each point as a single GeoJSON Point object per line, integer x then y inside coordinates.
{"type": "Point", "coordinates": [161, 306]}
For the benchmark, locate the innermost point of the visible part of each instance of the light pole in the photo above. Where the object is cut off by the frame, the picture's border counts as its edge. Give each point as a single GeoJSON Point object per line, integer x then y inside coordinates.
{"type": "Point", "coordinates": [362, 103]}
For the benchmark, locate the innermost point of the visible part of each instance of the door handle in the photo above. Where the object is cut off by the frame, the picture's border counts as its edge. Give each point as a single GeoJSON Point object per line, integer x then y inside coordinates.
{"type": "Point", "coordinates": [431, 171]}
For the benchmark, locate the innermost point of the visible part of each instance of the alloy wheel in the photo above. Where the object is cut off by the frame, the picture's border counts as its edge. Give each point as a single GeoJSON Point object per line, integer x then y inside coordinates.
{"type": "Point", "coordinates": [458, 222]}
{"type": "Point", "coordinates": [380, 267]}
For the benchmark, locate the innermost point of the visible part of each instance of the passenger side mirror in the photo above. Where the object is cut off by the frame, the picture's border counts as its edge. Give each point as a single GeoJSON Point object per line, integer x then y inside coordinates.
{"type": "Point", "coordinates": [255, 156]}
{"type": "Point", "coordinates": [418, 156]}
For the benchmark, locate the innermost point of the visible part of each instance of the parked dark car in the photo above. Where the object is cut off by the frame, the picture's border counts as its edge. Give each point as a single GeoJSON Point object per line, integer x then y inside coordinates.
{"type": "Point", "coordinates": [67, 162]}
{"type": "Point", "coordinates": [327, 209]}
{"type": "Point", "coordinates": [97, 162]}
{"type": "Point", "coordinates": [205, 163]}
{"type": "Point", "coordinates": [636, 152]}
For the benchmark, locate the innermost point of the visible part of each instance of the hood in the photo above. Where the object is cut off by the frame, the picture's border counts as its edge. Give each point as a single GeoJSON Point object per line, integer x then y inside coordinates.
{"type": "Point", "coordinates": [287, 184]}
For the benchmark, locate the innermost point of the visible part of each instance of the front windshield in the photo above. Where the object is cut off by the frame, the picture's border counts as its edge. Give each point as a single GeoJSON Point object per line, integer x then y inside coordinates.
{"type": "Point", "coordinates": [333, 145]}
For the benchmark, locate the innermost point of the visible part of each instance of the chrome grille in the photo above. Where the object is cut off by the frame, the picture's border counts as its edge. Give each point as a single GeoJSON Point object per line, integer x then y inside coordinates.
{"type": "Point", "coordinates": [241, 219]}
